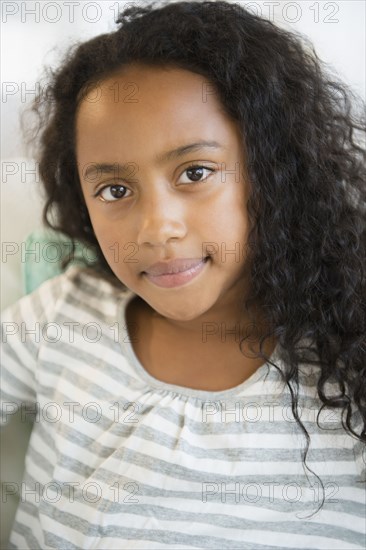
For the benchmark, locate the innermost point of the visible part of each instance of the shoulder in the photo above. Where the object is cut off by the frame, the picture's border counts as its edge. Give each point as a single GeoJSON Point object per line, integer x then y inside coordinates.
{"type": "Point", "coordinates": [77, 288]}
{"type": "Point", "coordinates": [83, 281]}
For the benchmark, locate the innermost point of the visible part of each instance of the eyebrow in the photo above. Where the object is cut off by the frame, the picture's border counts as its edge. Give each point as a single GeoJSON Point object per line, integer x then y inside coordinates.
{"type": "Point", "coordinates": [106, 168]}
{"type": "Point", "coordinates": [184, 149]}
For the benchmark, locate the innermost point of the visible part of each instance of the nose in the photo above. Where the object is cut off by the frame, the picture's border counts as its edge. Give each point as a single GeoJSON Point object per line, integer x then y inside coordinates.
{"type": "Point", "coordinates": [161, 220]}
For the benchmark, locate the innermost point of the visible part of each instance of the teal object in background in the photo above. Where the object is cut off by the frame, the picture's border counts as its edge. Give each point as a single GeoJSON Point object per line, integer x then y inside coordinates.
{"type": "Point", "coordinates": [43, 255]}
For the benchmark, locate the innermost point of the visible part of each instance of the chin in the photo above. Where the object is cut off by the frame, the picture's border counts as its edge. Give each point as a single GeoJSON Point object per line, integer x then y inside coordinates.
{"type": "Point", "coordinates": [184, 315]}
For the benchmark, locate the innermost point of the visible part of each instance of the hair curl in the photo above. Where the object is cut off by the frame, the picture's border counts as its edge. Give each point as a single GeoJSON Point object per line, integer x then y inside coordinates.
{"type": "Point", "coordinates": [306, 166]}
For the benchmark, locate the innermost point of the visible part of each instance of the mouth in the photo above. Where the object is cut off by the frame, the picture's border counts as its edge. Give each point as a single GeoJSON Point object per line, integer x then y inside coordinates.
{"type": "Point", "coordinates": [175, 273]}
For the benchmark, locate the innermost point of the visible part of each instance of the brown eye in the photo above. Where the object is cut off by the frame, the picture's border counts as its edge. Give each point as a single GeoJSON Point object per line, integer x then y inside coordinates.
{"type": "Point", "coordinates": [112, 193]}
{"type": "Point", "coordinates": [196, 173]}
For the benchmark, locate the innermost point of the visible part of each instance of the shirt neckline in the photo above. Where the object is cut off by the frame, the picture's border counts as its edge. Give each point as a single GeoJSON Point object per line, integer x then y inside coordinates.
{"type": "Point", "coordinates": [205, 395]}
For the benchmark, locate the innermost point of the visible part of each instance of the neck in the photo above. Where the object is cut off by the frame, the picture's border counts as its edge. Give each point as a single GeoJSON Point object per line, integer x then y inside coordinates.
{"type": "Point", "coordinates": [227, 323]}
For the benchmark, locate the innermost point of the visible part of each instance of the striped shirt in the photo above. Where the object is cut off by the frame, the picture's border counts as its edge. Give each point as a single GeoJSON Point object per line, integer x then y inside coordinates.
{"type": "Point", "coordinates": [119, 459]}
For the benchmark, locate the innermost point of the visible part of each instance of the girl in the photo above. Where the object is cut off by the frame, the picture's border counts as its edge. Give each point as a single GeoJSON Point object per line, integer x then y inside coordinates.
{"type": "Point", "coordinates": [188, 383]}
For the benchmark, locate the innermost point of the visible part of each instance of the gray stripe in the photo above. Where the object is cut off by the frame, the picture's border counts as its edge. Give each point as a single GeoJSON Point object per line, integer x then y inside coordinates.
{"type": "Point", "coordinates": [40, 460]}
{"type": "Point", "coordinates": [89, 309]}
{"type": "Point", "coordinates": [55, 541]}
{"type": "Point", "coordinates": [27, 534]}
{"type": "Point", "coordinates": [85, 442]}
{"type": "Point", "coordinates": [277, 426]}
{"type": "Point", "coordinates": [15, 316]}
{"type": "Point", "coordinates": [115, 373]}
{"type": "Point", "coordinates": [44, 435]}
{"type": "Point", "coordinates": [186, 474]}
{"type": "Point", "coordinates": [15, 382]}
{"type": "Point", "coordinates": [106, 340]}
{"type": "Point", "coordinates": [235, 454]}
{"type": "Point", "coordinates": [115, 531]}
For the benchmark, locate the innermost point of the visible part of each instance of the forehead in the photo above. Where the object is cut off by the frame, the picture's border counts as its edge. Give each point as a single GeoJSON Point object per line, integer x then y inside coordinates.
{"type": "Point", "coordinates": [154, 105]}
{"type": "Point", "coordinates": [142, 85]}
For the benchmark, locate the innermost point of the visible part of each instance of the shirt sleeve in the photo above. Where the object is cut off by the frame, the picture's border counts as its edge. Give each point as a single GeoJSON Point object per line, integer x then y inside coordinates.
{"type": "Point", "coordinates": [23, 327]}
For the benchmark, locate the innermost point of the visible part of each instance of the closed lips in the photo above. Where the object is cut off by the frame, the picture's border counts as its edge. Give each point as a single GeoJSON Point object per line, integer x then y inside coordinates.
{"type": "Point", "coordinates": [175, 266]}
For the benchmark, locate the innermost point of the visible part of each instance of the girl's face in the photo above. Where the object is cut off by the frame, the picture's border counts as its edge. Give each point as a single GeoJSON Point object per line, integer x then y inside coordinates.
{"type": "Point", "coordinates": [135, 137]}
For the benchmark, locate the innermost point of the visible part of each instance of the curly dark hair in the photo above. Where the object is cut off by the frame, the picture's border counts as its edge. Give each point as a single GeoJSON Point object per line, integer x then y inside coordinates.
{"type": "Point", "coordinates": [306, 164]}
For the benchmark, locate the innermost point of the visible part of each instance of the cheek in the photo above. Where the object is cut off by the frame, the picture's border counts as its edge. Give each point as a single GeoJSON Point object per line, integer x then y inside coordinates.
{"type": "Point", "coordinates": [119, 248]}
{"type": "Point", "coordinates": [228, 219]}
{"type": "Point", "coordinates": [109, 239]}
{"type": "Point", "coordinates": [228, 228]}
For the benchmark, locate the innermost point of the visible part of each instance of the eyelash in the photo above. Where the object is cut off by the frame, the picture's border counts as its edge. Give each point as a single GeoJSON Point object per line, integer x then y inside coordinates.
{"type": "Point", "coordinates": [191, 167]}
